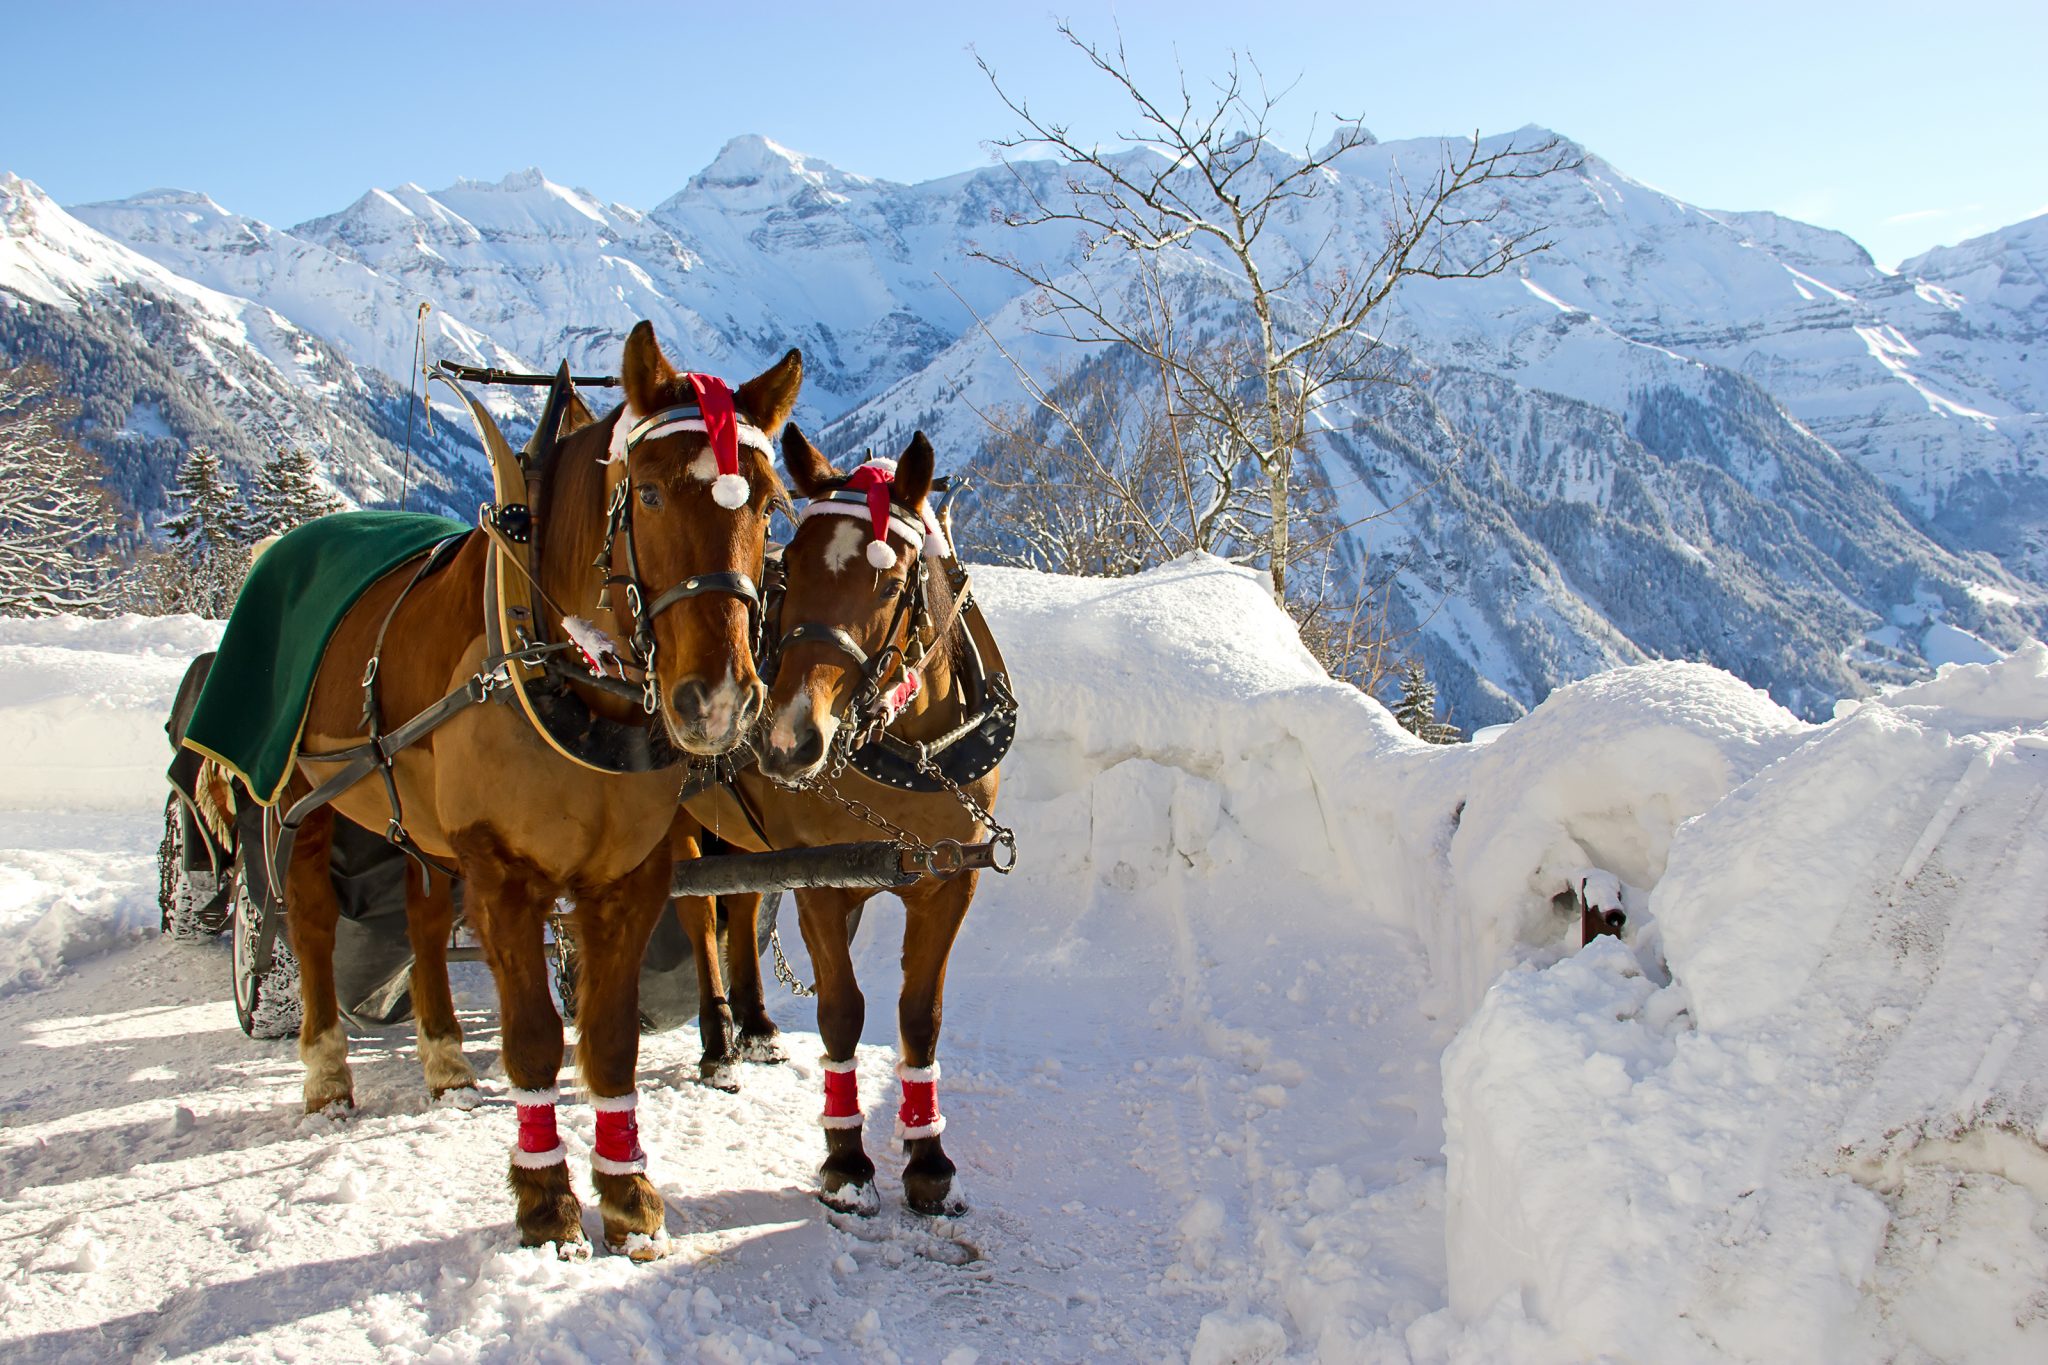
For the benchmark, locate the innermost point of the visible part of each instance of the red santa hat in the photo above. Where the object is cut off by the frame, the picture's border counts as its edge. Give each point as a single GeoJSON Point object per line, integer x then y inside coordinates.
{"type": "Point", "coordinates": [866, 493]}
{"type": "Point", "coordinates": [723, 430]}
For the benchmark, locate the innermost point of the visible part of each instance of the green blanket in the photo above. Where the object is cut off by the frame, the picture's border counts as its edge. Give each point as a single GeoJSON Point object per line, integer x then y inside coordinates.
{"type": "Point", "coordinates": [254, 704]}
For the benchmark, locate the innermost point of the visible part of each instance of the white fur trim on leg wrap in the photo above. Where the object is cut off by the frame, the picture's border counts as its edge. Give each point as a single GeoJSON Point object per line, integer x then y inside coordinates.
{"type": "Point", "coordinates": [608, 1166]}
{"type": "Point", "coordinates": [841, 1067]}
{"type": "Point", "coordinates": [612, 1104]}
{"type": "Point", "coordinates": [924, 1075]}
{"type": "Point", "coordinates": [923, 1130]}
{"type": "Point", "coordinates": [551, 1095]}
{"type": "Point", "coordinates": [840, 1120]}
{"type": "Point", "coordinates": [535, 1161]}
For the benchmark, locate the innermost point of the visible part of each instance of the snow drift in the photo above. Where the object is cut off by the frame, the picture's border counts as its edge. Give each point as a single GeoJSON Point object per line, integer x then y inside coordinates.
{"type": "Point", "coordinates": [1824, 1138]}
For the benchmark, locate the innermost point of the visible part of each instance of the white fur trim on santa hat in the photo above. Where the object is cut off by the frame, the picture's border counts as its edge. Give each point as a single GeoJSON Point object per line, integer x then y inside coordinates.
{"type": "Point", "coordinates": [749, 435]}
{"type": "Point", "coordinates": [880, 555]}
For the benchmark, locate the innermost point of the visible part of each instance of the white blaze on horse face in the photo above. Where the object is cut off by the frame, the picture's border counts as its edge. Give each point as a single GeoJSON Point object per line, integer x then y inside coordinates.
{"type": "Point", "coordinates": [803, 704]}
{"type": "Point", "coordinates": [849, 542]}
{"type": "Point", "coordinates": [704, 468]}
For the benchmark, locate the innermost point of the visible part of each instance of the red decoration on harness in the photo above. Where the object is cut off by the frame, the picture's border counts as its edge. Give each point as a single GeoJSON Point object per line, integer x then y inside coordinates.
{"type": "Point", "coordinates": [618, 1136]}
{"type": "Point", "coordinates": [901, 695]}
{"type": "Point", "coordinates": [842, 1093]}
{"type": "Point", "coordinates": [537, 1128]}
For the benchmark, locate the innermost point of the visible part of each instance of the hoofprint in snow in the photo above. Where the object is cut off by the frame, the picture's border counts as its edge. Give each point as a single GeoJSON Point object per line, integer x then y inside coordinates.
{"type": "Point", "coordinates": [1195, 1050]}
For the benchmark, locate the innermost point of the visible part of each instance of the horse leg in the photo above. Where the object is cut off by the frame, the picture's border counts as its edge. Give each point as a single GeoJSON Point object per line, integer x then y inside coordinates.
{"type": "Point", "coordinates": [935, 910]}
{"type": "Point", "coordinates": [508, 904]}
{"type": "Point", "coordinates": [699, 915]}
{"type": "Point", "coordinates": [312, 910]}
{"type": "Point", "coordinates": [429, 919]}
{"type": "Point", "coordinates": [743, 966]}
{"type": "Point", "coordinates": [612, 928]}
{"type": "Point", "coordinates": [847, 1179]}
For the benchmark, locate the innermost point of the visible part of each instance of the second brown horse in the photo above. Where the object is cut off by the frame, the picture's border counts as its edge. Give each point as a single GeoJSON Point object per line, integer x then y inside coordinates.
{"type": "Point", "coordinates": [832, 582]}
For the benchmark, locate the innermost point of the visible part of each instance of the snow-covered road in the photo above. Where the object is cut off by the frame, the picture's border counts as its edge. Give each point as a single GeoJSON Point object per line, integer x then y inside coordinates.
{"type": "Point", "coordinates": [1139, 1156]}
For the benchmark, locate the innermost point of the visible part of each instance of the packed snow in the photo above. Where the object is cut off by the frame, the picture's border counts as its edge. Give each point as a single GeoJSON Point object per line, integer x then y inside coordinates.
{"type": "Point", "coordinates": [1276, 1047]}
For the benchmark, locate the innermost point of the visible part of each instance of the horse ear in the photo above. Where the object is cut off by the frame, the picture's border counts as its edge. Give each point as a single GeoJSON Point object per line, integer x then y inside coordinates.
{"type": "Point", "coordinates": [645, 372]}
{"type": "Point", "coordinates": [770, 396]}
{"type": "Point", "coordinates": [914, 473]}
{"type": "Point", "coordinates": [808, 468]}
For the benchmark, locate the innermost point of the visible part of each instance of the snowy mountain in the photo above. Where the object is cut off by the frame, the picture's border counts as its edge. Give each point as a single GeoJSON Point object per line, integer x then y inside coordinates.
{"type": "Point", "coordinates": [162, 361]}
{"type": "Point", "coordinates": [1677, 433]}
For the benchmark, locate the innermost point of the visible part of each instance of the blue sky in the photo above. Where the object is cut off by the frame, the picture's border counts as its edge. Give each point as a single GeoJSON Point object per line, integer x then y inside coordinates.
{"type": "Point", "coordinates": [1905, 125]}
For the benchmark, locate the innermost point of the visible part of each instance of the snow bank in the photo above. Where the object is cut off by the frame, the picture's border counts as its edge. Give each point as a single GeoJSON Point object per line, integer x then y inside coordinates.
{"type": "Point", "coordinates": [1824, 1139]}
{"type": "Point", "coordinates": [82, 708]}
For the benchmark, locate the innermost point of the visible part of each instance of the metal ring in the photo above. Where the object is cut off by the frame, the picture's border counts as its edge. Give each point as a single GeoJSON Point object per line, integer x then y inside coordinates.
{"type": "Point", "coordinates": [948, 859]}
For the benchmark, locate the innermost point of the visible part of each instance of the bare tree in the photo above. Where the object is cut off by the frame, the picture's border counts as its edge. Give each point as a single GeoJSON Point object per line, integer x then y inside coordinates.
{"type": "Point", "coordinates": [55, 518]}
{"type": "Point", "coordinates": [1195, 185]}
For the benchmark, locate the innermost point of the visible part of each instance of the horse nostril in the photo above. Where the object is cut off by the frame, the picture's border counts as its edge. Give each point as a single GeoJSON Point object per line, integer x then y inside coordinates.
{"type": "Point", "coordinates": [806, 746]}
{"type": "Point", "coordinates": [692, 700]}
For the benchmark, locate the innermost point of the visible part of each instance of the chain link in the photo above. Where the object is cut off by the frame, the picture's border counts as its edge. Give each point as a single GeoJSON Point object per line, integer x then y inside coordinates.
{"type": "Point", "coordinates": [783, 971]}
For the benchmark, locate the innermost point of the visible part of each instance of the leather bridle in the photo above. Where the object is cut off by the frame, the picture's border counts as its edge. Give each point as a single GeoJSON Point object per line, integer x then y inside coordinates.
{"type": "Point", "coordinates": [619, 527]}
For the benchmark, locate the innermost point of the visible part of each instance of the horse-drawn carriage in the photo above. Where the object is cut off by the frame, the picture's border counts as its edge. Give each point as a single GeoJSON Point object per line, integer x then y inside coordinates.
{"type": "Point", "coordinates": [569, 774]}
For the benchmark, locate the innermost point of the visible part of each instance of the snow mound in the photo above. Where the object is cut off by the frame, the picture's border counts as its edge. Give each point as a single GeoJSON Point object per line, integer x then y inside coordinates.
{"type": "Point", "coordinates": [82, 708]}
{"type": "Point", "coordinates": [1824, 1139]}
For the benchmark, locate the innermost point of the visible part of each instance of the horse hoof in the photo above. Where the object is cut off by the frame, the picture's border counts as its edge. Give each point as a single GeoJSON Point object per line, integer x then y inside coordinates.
{"type": "Point", "coordinates": [931, 1186]}
{"type": "Point", "coordinates": [861, 1198]}
{"type": "Point", "coordinates": [331, 1105]}
{"type": "Point", "coordinates": [719, 1076]}
{"type": "Point", "coordinates": [548, 1210]}
{"type": "Point", "coordinates": [641, 1247]}
{"type": "Point", "coordinates": [764, 1049]}
{"type": "Point", "coordinates": [575, 1250]}
{"type": "Point", "coordinates": [464, 1097]}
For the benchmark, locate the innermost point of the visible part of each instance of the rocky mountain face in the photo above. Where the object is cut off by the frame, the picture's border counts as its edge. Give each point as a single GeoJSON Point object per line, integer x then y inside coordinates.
{"type": "Point", "coordinates": [1676, 433]}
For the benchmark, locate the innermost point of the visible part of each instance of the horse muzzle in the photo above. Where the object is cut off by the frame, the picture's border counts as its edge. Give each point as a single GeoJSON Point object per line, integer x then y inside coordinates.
{"type": "Point", "coordinates": [713, 720]}
{"type": "Point", "coordinates": [796, 748]}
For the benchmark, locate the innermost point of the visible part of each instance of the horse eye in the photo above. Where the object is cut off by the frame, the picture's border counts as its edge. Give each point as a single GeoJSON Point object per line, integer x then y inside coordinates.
{"type": "Point", "coordinates": [891, 588]}
{"type": "Point", "coordinates": [650, 495]}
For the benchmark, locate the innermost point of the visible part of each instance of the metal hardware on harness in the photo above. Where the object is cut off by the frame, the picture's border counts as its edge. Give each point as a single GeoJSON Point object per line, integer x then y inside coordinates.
{"type": "Point", "coordinates": [513, 519]}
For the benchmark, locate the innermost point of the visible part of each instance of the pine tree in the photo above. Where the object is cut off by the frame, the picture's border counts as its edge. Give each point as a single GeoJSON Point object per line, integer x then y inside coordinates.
{"type": "Point", "coordinates": [210, 535]}
{"type": "Point", "coordinates": [289, 493]}
{"type": "Point", "coordinates": [55, 517]}
{"type": "Point", "coordinates": [1415, 709]}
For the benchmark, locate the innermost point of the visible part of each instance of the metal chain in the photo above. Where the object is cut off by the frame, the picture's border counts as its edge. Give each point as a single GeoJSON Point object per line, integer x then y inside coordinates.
{"type": "Point", "coordinates": [783, 973]}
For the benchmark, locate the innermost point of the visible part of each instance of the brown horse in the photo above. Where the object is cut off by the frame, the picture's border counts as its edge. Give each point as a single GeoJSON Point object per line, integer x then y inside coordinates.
{"type": "Point", "coordinates": [526, 825]}
{"type": "Point", "coordinates": [832, 583]}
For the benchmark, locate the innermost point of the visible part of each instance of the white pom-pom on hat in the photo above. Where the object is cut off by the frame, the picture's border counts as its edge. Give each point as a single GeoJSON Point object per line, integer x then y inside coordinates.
{"type": "Point", "coordinates": [881, 554]}
{"type": "Point", "coordinates": [731, 491]}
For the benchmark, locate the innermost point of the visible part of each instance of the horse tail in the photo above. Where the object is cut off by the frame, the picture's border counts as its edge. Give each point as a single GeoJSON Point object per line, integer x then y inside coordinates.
{"type": "Point", "coordinates": [213, 792]}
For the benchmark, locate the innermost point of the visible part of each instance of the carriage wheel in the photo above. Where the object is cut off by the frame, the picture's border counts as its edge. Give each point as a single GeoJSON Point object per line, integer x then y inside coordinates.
{"type": "Point", "coordinates": [266, 1002]}
{"type": "Point", "coordinates": [191, 902]}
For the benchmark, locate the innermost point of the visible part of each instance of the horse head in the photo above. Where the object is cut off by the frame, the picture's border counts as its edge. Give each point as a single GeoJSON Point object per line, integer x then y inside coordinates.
{"type": "Point", "coordinates": [690, 522]}
{"type": "Point", "coordinates": [853, 570]}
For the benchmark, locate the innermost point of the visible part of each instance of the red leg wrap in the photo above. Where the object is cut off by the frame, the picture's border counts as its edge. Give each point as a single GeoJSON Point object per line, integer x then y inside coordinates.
{"type": "Point", "coordinates": [842, 1096]}
{"type": "Point", "coordinates": [618, 1141]}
